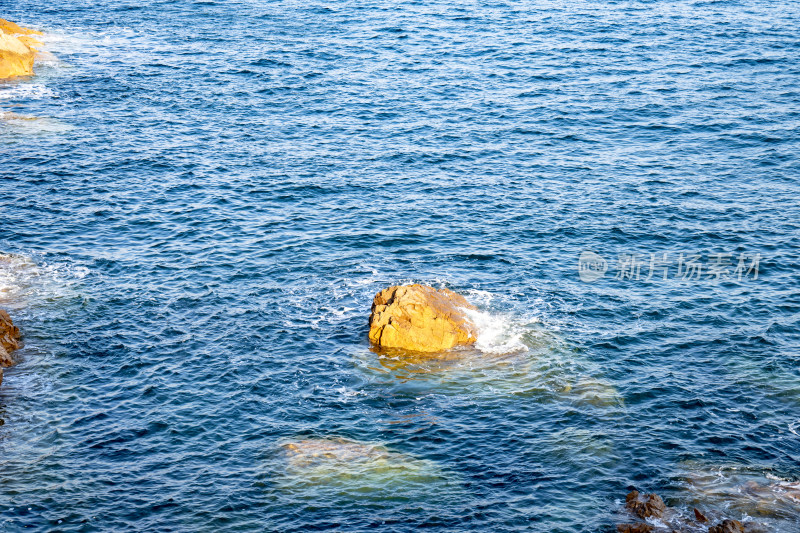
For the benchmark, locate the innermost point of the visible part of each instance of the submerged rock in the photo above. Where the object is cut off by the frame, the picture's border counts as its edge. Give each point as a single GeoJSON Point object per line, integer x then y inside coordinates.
{"type": "Point", "coordinates": [306, 452]}
{"type": "Point", "coordinates": [753, 495]}
{"type": "Point", "coordinates": [9, 339]}
{"type": "Point", "coordinates": [592, 391]}
{"type": "Point", "coordinates": [351, 467]}
{"type": "Point", "coordinates": [420, 318]}
{"type": "Point", "coordinates": [17, 49]}
{"type": "Point", "coordinates": [635, 528]}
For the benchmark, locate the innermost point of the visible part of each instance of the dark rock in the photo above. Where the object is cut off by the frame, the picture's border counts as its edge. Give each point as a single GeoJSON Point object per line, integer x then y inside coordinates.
{"type": "Point", "coordinates": [9, 339]}
{"type": "Point", "coordinates": [635, 528]}
{"type": "Point", "coordinates": [727, 526]}
{"type": "Point", "coordinates": [645, 505]}
{"type": "Point", "coordinates": [700, 516]}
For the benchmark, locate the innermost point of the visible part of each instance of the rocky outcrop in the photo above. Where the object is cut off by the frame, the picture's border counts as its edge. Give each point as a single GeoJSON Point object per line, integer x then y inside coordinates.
{"type": "Point", "coordinates": [6, 26]}
{"type": "Point", "coordinates": [658, 518]}
{"type": "Point", "coordinates": [17, 49]}
{"type": "Point", "coordinates": [9, 341]}
{"type": "Point", "coordinates": [727, 526]}
{"type": "Point", "coordinates": [16, 59]}
{"type": "Point", "coordinates": [421, 319]}
{"type": "Point", "coordinates": [645, 505]}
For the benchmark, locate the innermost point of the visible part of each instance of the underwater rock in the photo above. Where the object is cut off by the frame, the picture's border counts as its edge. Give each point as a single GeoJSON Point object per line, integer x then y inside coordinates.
{"type": "Point", "coordinates": [348, 466]}
{"type": "Point", "coordinates": [645, 506]}
{"type": "Point", "coordinates": [770, 502]}
{"type": "Point", "coordinates": [592, 391]}
{"type": "Point", "coordinates": [727, 526]}
{"type": "Point", "coordinates": [634, 528]}
{"type": "Point", "coordinates": [308, 452]}
{"type": "Point", "coordinates": [421, 319]}
{"type": "Point", "coordinates": [9, 339]}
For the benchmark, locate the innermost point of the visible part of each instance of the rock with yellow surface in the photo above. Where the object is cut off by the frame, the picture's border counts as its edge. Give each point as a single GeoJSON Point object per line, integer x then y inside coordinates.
{"type": "Point", "coordinates": [6, 26]}
{"type": "Point", "coordinates": [421, 319]}
{"type": "Point", "coordinates": [17, 50]}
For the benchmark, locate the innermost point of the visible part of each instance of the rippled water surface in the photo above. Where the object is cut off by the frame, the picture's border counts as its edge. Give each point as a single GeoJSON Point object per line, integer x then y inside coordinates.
{"type": "Point", "coordinates": [204, 196]}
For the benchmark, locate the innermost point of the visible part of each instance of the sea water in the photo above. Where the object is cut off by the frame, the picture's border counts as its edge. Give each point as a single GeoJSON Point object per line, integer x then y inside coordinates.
{"type": "Point", "coordinates": [202, 198]}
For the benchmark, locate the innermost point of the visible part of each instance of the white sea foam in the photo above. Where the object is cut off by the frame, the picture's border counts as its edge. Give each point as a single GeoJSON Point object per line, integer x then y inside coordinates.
{"type": "Point", "coordinates": [497, 333]}
{"type": "Point", "coordinates": [346, 394]}
{"type": "Point", "coordinates": [26, 91]}
{"type": "Point", "coordinates": [25, 280]}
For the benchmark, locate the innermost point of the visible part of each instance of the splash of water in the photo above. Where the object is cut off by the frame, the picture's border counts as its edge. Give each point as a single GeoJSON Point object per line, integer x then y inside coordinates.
{"type": "Point", "coordinates": [27, 280]}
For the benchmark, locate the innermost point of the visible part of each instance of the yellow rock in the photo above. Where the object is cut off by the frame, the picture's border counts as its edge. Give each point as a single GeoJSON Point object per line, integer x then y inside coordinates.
{"type": "Point", "coordinates": [16, 59]}
{"type": "Point", "coordinates": [421, 319]}
{"type": "Point", "coordinates": [17, 49]}
{"type": "Point", "coordinates": [30, 42]}
{"type": "Point", "coordinates": [6, 26]}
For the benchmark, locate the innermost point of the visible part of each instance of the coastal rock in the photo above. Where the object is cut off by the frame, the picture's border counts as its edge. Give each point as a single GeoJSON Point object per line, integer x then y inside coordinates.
{"type": "Point", "coordinates": [421, 319]}
{"type": "Point", "coordinates": [645, 505]}
{"type": "Point", "coordinates": [700, 517]}
{"type": "Point", "coordinates": [659, 517]}
{"type": "Point", "coordinates": [16, 49]}
{"type": "Point", "coordinates": [16, 59]}
{"type": "Point", "coordinates": [9, 339]}
{"type": "Point", "coordinates": [11, 28]}
{"type": "Point", "coordinates": [727, 526]}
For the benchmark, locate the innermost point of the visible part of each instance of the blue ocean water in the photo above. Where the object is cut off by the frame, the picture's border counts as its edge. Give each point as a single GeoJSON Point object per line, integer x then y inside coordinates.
{"type": "Point", "coordinates": [204, 196]}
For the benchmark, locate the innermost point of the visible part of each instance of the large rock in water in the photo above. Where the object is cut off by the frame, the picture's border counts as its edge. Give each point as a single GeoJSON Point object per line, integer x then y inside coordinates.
{"type": "Point", "coordinates": [420, 318]}
{"type": "Point", "coordinates": [16, 52]}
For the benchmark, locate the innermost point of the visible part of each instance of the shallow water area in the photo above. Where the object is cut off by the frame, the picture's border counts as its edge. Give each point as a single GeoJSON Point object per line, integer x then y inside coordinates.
{"type": "Point", "coordinates": [751, 494]}
{"type": "Point", "coordinates": [213, 192]}
{"type": "Point", "coordinates": [25, 125]}
{"type": "Point", "coordinates": [356, 468]}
